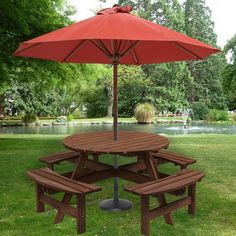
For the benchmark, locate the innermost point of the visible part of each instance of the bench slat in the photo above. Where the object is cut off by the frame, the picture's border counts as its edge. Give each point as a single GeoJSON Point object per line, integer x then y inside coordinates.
{"type": "Point", "coordinates": [53, 176]}
{"type": "Point", "coordinates": [51, 179]}
{"type": "Point", "coordinates": [58, 157]}
{"type": "Point", "coordinates": [168, 184]}
{"type": "Point", "coordinates": [175, 186]}
{"type": "Point", "coordinates": [146, 184]}
{"type": "Point", "coordinates": [173, 157]}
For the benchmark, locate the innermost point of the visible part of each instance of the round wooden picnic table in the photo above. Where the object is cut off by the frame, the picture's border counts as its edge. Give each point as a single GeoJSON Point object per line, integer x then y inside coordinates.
{"type": "Point", "coordinates": [129, 142]}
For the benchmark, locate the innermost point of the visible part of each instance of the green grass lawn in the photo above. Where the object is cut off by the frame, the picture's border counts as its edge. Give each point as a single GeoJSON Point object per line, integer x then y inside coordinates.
{"type": "Point", "coordinates": [216, 194]}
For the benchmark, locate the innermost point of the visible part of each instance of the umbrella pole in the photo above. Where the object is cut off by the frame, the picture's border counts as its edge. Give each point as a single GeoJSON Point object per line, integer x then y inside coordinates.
{"type": "Point", "coordinates": [115, 130]}
{"type": "Point", "coordinates": [115, 204]}
{"type": "Point", "coordinates": [115, 102]}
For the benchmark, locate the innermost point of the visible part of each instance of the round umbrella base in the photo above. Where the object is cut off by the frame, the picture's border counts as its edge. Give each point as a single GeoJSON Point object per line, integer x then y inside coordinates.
{"type": "Point", "coordinates": [110, 205]}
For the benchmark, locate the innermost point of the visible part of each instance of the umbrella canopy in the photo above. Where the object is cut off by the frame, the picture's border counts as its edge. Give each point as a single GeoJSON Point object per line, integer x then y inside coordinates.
{"type": "Point", "coordinates": [115, 34]}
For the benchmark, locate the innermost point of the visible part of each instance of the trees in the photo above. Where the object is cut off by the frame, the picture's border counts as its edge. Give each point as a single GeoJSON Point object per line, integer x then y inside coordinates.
{"type": "Point", "coordinates": [169, 79]}
{"type": "Point", "coordinates": [133, 88]}
{"type": "Point", "coordinates": [178, 84]}
{"type": "Point", "coordinates": [41, 87]}
{"type": "Point", "coordinates": [22, 20]}
{"type": "Point", "coordinates": [97, 93]}
{"type": "Point", "coordinates": [42, 98]}
{"type": "Point", "coordinates": [207, 80]}
{"type": "Point", "coordinates": [40, 84]}
{"type": "Point", "coordinates": [229, 74]}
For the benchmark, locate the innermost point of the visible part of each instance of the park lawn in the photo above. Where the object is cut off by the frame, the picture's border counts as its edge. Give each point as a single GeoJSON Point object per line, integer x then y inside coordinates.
{"type": "Point", "coordinates": [216, 194]}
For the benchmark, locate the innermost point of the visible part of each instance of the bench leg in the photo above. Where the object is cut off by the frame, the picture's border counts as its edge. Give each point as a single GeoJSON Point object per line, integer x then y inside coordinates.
{"type": "Point", "coordinates": [51, 166]}
{"type": "Point", "coordinates": [145, 229]}
{"type": "Point", "coordinates": [162, 202]}
{"type": "Point", "coordinates": [81, 220]}
{"type": "Point", "coordinates": [95, 157]}
{"type": "Point", "coordinates": [153, 173]}
{"type": "Point", "coordinates": [60, 215]}
{"type": "Point", "coordinates": [192, 194]}
{"type": "Point", "coordinates": [39, 191]}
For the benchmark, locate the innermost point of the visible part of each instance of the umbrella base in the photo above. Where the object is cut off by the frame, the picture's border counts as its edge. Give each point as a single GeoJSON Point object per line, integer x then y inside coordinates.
{"type": "Point", "coordinates": [110, 205]}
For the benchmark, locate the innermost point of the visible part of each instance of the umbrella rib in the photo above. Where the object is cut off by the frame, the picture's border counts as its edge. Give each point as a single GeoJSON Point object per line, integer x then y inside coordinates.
{"type": "Point", "coordinates": [182, 48]}
{"type": "Point", "coordinates": [104, 47]}
{"type": "Point", "coordinates": [134, 54]}
{"type": "Point", "coordinates": [116, 54]}
{"type": "Point", "coordinates": [101, 48]}
{"type": "Point", "coordinates": [76, 49]}
{"type": "Point", "coordinates": [129, 48]}
{"type": "Point", "coordinates": [113, 46]}
{"type": "Point", "coordinates": [122, 47]}
{"type": "Point", "coordinates": [24, 49]}
{"type": "Point", "coordinates": [119, 46]}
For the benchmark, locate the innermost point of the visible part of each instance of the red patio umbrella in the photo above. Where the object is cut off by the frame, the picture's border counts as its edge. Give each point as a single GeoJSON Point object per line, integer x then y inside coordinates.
{"type": "Point", "coordinates": [115, 36]}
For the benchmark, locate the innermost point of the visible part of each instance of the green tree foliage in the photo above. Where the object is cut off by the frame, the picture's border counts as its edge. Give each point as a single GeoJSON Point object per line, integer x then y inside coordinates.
{"type": "Point", "coordinates": [206, 74]}
{"type": "Point", "coordinates": [97, 94]}
{"type": "Point", "coordinates": [133, 88]}
{"type": "Point", "coordinates": [31, 98]}
{"type": "Point", "coordinates": [51, 88]}
{"type": "Point", "coordinates": [23, 20]}
{"type": "Point", "coordinates": [229, 74]}
{"type": "Point", "coordinates": [31, 85]}
{"type": "Point", "coordinates": [199, 110]}
{"type": "Point", "coordinates": [169, 79]}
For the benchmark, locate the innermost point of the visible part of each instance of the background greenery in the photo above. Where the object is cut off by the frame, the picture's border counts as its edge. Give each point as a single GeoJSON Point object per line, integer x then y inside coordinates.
{"type": "Point", "coordinates": [51, 89]}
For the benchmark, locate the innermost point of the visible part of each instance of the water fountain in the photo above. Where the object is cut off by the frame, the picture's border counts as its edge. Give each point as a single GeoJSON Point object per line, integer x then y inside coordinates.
{"type": "Point", "coordinates": [185, 113]}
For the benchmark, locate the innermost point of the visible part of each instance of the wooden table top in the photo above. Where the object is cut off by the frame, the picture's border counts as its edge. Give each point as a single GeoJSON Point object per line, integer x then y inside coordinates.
{"type": "Point", "coordinates": [129, 142]}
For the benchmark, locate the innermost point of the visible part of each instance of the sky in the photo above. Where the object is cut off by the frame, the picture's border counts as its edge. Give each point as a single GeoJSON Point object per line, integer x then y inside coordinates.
{"type": "Point", "coordinates": [223, 14]}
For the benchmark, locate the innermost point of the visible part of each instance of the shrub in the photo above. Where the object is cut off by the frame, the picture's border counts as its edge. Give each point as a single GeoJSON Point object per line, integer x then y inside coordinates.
{"type": "Point", "coordinates": [70, 117]}
{"type": "Point", "coordinates": [78, 113]}
{"type": "Point", "coordinates": [217, 115]}
{"type": "Point", "coordinates": [234, 117]}
{"type": "Point", "coordinates": [30, 118]}
{"type": "Point", "coordinates": [144, 113]}
{"type": "Point", "coordinates": [200, 111]}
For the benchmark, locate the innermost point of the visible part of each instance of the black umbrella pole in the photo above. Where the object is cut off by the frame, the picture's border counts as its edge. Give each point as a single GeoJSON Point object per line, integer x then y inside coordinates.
{"type": "Point", "coordinates": [115, 204]}
{"type": "Point", "coordinates": [115, 130]}
{"type": "Point", "coordinates": [115, 102]}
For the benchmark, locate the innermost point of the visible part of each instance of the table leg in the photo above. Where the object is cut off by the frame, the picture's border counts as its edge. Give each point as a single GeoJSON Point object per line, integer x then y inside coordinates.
{"type": "Point", "coordinates": [153, 173]}
{"type": "Point", "coordinates": [80, 164]}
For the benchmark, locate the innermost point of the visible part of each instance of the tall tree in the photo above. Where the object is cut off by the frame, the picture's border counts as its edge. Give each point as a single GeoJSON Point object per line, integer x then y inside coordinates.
{"type": "Point", "coordinates": [169, 79]}
{"type": "Point", "coordinates": [22, 20]}
{"type": "Point", "coordinates": [229, 73]}
{"type": "Point", "coordinates": [56, 84]}
{"type": "Point", "coordinates": [207, 79]}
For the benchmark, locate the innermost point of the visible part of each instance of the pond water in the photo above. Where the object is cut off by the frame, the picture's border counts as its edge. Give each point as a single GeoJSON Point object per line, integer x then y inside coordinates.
{"type": "Point", "coordinates": [172, 129]}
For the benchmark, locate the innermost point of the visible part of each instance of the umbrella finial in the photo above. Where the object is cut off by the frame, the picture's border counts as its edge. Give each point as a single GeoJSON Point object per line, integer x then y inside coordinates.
{"type": "Point", "coordinates": [115, 9]}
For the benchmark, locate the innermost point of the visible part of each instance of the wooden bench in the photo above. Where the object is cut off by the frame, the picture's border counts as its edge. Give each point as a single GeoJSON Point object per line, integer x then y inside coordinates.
{"type": "Point", "coordinates": [185, 178]}
{"type": "Point", "coordinates": [50, 179]}
{"type": "Point", "coordinates": [177, 159]}
{"type": "Point", "coordinates": [56, 158]}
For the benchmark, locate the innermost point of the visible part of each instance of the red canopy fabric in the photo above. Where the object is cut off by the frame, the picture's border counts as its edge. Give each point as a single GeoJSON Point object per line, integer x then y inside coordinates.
{"type": "Point", "coordinates": [115, 33]}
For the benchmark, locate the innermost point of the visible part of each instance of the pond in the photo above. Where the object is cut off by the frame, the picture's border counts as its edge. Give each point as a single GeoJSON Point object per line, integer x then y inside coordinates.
{"type": "Point", "coordinates": [172, 129]}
